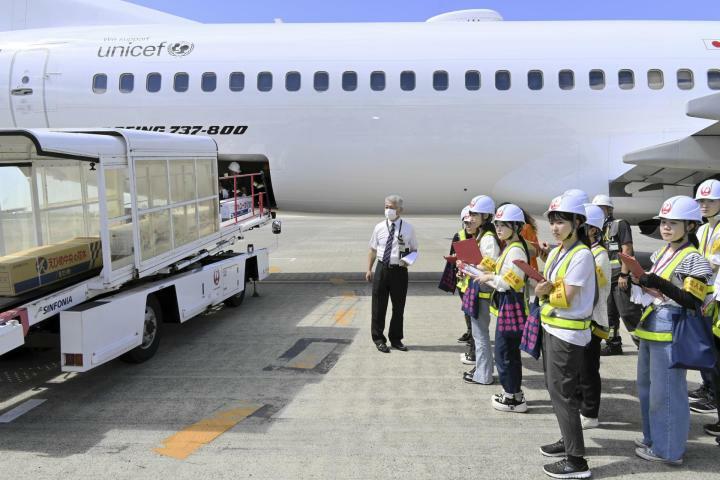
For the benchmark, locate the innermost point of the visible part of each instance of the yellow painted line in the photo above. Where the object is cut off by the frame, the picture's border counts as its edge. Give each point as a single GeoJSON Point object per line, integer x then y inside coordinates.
{"type": "Point", "coordinates": [344, 317]}
{"type": "Point", "coordinates": [337, 281]}
{"type": "Point", "coordinates": [274, 269]}
{"type": "Point", "coordinates": [187, 441]}
{"type": "Point", "coordinates": [349, 294]}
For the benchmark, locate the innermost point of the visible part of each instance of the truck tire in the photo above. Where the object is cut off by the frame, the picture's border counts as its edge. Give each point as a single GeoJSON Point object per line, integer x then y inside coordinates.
{"type": "Point", "coordinates": [151, 333]}
{"type": "Point", "coordinates": [237, 299]}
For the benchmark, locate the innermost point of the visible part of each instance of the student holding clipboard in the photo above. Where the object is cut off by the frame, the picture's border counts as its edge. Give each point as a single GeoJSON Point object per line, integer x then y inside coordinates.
{"type": "Point", "coordinates": [482, 209]}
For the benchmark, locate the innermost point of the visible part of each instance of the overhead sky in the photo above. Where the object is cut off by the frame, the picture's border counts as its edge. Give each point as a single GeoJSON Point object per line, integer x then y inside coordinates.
{"type": "Point", "coordinates": [238, 11]}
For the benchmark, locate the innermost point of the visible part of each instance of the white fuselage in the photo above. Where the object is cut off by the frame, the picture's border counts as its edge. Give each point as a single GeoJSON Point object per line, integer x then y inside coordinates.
{"type": "Point", "coordinates": [344, 151]}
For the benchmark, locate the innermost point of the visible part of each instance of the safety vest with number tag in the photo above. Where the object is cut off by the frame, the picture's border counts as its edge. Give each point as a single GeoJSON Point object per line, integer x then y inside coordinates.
{"type": "Point", "coordinates": [548, 313]}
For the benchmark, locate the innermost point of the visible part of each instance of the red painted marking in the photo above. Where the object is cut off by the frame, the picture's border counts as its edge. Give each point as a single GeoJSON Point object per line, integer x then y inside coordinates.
{"type": "Point", "coordinates": [716, 43]}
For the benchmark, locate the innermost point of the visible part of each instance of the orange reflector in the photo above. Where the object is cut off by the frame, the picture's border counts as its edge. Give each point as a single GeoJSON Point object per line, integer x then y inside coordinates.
{"type": "Point", "coordinates": [73, 360]}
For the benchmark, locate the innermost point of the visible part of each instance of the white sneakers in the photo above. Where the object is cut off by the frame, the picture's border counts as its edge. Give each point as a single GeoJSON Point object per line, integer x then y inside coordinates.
{"type": "Point", "coordinates": [588, 423]}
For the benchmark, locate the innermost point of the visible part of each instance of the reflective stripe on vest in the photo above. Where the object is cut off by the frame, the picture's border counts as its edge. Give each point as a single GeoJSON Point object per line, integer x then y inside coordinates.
{"type": "Point", "coordinates": [547, 311]}
{"type": "Point", "coordinates": [501, 260]}
{"type": "Point", "coordinates": [706, 238]}
{"type": "Point", "coordinates": [666, 273]}
{"type": "Point", "coordinates": [599, 331]}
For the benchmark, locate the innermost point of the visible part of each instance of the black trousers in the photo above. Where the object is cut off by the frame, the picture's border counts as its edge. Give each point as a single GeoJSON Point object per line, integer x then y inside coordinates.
{"type": "Point", "coordinates": [619, 305]}
{"type": "Point", "coordinates": [562, 362]}
{"type": "Point", "coordinates": [388, 283]}
{"type": "Point", "coordinates": [590, 385]}
{"type": "Point", "coordinates": [716, 375]}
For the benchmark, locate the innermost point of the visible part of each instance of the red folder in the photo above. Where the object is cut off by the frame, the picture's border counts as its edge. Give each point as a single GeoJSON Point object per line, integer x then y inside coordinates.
{"type": "Point", "coordinates": [529, 270]}
{"type": "Point", "coordinates": [451, 258]}
{"type": "Point", "coordinates": [468, 251]}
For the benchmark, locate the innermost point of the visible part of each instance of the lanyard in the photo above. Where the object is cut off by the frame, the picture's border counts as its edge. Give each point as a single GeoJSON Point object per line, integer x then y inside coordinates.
{"type": "Point", "coordinates": [558, 259]}
{"type": "Point", "coordinates": [660, 267]}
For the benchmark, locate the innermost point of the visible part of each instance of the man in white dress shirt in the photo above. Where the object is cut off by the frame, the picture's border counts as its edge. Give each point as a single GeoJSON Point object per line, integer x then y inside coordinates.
{"type": "Point", "coordinates": [392, 239]}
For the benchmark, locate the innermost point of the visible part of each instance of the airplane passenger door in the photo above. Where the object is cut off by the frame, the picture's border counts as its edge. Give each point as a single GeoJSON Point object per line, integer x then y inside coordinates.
{"type": "Point", "coordinates": [27, 88]}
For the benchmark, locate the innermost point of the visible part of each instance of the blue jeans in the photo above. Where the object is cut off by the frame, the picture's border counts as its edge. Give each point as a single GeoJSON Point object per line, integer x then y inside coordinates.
{"type": "Point", "coordinates": [662, 391]}
{"type": "Point", "coordinates": [508, 362]}
{"type": "Point", "coordinates": [483, 351]}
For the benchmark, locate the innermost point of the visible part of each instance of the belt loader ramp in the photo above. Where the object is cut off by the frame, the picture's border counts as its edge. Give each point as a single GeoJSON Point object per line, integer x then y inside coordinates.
{"type": "Point", "coordinates": [116, 230]}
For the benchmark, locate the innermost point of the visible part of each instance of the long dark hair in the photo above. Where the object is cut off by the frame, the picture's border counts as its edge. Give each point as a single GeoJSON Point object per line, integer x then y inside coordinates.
{"type": "Point", "coordinates": [692, 236]}
{"type": "Point", "coordinates": [601, 237]}
{"type": "Point", "coordinates": [571, 217]}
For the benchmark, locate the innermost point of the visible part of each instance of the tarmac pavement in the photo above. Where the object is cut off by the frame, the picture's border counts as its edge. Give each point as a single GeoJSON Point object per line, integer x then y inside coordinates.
{"type": "Point", "coordinates": [289, 385]}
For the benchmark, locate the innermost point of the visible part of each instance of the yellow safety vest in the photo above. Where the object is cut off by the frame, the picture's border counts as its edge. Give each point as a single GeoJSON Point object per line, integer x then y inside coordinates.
{"type": "Point", "coordinates": [548, 313]}
{"type": "Point", "coordinates": [666, 273]}
{"type": "Point", "coordinates": [707, 236]}
{"type": "Point", "coordinates": [596, 329]}
{"type": "Point", "coordinates": [498, 269]}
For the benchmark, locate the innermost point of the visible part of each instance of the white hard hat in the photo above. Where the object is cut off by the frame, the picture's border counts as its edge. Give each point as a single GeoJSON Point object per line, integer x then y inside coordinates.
{"type": "Point", "coordinates": [567, 204]}
{"type": "Point", "coordinates": [603, 200]}
{"type": "Point", "coordinates": [465, 213]}
{"type": "Point", "coordinates": [234, 167]}
{"type": "Point", "coordinates": [594, 215]}
{"type": "Point", "coordinates": [482, 204]}
{"type": "Point", "coordinates": [680, 207]}
{"type": "Point", "coordinates": [510, 213]}
{"type": "Point", "coordinates": [708, 190]}
{"type": "Point", "coordinates": [577, 193]}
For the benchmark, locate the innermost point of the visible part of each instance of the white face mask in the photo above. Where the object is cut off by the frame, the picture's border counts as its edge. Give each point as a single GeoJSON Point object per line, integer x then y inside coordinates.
{"type": "Point", "coordinates": [391, 214]}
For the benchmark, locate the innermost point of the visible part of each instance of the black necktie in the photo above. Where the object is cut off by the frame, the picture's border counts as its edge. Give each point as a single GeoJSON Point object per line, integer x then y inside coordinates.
{"type": "Point", "coordinates": [388, 245]}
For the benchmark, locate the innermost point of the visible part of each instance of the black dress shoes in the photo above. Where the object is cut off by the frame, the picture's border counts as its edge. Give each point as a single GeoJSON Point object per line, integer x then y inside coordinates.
{"type": "Point", "coordinates": [399, 346]}
{"type": "Point", "coordinates": [382, 348]}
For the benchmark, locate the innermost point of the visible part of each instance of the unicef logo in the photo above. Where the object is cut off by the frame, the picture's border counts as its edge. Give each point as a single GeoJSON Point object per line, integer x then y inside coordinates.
{"type": "Point", "coordinates": [180, 49]}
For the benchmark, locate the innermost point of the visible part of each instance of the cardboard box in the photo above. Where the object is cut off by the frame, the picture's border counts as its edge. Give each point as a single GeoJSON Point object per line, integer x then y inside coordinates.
{"type": "Point", "coordinates": [37, 267]}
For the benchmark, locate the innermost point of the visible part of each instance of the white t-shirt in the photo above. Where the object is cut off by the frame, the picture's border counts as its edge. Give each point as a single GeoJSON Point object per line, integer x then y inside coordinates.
{"type": "Point", "coordinates": [602, 262]}
{"type": "Point", "coordinates": [403, 238]}
{"type": "Point", "coordinates": [580, 273]}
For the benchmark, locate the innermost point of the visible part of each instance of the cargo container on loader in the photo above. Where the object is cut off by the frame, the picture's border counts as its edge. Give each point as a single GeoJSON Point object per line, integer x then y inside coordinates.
{"type": "Point", "coordinates": [122, 231]}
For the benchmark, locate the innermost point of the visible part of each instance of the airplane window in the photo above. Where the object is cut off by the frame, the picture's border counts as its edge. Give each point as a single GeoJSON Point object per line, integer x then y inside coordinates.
{"type": "Point", "coordinates": [626, 79]}
{"type": "Point", "coordinates": [127, 82]}
{"type": "Point", "coordinates": [99, 83]}
{"type": "Point", "coordinates": [407, 80]}
{"type": "Point", "coordinates": [237, 81]}
{"type": "Point", "coordinates": [472, 80]}
{"type": "Point", "coordinates": [377, 81]}
{"type": "Point", "coordinates": [597, 79]}
{"type": "Point", "coordinates": [535, 80]}
{"type": "Point", "coordinates": [685, 79]}
{"type": "Point", "coordinates": [181, 82]}
{"type": "Point", "coordinates": [655, 79]}
{"type": "Point", "coordinates": [502, 80]}
{"type": "Point", "coordinates": [349, 81]}
{"type": "Point", "coordinates": [292, 81]}
{"type": "Point", "coordinates": [566, 79]}
{"type": "Point", "coordinates": [264, 81]}
{"type": "Point", "coordinates": [440, 80]}
{"type": "Point", "coordinates": [321, 81]}
{"type": "Point", "coordinates": [153, 82]}
{"type": "Point", "coordinates": [714, 79]}
{"type": "Point", "coordinates": [208, 82]}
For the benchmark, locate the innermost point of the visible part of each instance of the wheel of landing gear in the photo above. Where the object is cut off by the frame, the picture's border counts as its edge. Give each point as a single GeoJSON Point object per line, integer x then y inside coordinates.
{"type": "Point", "coordinates": [151, 333]}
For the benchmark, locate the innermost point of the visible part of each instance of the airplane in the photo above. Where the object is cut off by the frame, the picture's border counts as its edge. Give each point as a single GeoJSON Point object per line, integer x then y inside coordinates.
{"type": "Point", "coordinates": [341, 115]}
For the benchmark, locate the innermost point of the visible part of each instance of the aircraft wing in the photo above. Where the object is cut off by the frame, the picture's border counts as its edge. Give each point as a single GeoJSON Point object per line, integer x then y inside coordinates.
{"type": "Point", "coordinates": [684, 162]}
{"type": "Point", "coordinates": [26, 14]}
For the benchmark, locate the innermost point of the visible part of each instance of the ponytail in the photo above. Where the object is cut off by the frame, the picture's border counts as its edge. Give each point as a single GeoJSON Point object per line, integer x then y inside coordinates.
{"type": "Point", "coordinates": [692, 235]}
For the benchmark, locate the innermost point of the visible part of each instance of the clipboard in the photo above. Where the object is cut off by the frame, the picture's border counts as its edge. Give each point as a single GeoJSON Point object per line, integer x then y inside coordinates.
{"type": "Point", "coordinates": [635, 268]}
{"type": "Point", "coordinates": [529, 270]}
{"type": "Point", "coordinates": [467, 251]}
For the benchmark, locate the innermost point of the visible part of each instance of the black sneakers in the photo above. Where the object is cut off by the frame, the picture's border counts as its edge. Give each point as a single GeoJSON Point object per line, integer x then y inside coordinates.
{"type": "Point", "coordinates": [465, 337]}
{"type": "Point", "coordinates": [712, 429]}
{"type": "Point", "coordinates": [566, 468]}
{"type": "Point", "coordinates": [556, 449]}
{"type": "Point", "coordinates": [703, 406]}
{"type": "Point", "coordinates": [699, 394]}
{"type": "Point", "coordinates": [611, 349]}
